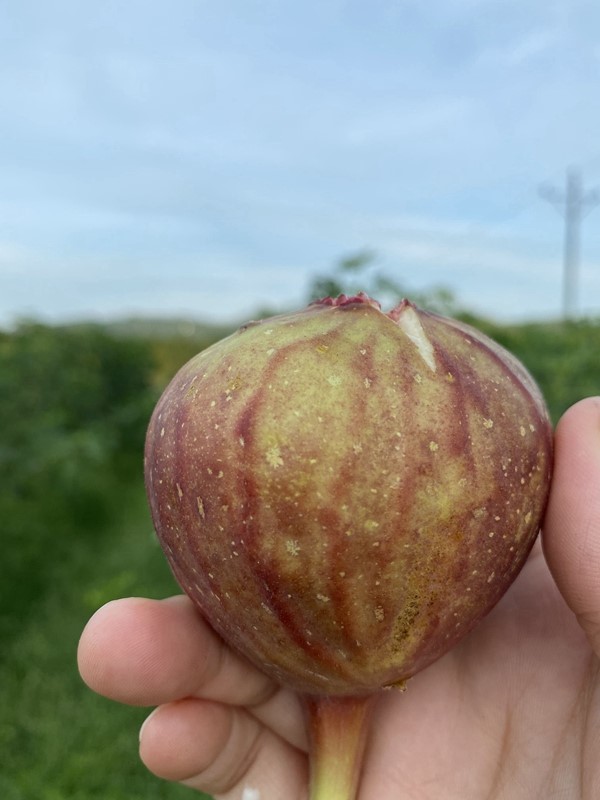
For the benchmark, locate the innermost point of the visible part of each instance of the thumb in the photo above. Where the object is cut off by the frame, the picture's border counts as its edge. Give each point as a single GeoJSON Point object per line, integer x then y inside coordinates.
{"type": "Point", "coordinates": [571, 535]}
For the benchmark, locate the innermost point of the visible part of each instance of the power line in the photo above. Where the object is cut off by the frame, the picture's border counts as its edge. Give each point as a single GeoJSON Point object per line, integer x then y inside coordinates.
{"type": "Point", "coordinates": [572, 203]}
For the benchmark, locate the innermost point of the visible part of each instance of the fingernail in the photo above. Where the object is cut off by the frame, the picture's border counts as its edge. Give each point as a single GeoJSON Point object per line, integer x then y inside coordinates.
{"type": "Point", "coordinates": [146, 721]}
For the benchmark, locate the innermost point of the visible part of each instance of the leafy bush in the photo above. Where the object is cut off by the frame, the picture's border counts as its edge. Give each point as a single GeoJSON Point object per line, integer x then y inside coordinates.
{"type": "Point", "coordinates": [74, 403]}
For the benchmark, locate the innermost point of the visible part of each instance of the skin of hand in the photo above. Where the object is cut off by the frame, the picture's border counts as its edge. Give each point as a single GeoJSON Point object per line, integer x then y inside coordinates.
{"type": "Point", "coordinates": [513, 712]}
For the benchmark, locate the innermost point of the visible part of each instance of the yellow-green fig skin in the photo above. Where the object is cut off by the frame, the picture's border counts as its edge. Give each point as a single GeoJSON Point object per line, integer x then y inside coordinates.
{"type": "Point", "coordinates": [345, 493]}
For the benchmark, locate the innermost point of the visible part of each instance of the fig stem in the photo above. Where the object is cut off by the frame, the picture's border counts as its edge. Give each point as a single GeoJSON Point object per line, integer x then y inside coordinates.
{"type": "Point", "coordinates": [338, 728]}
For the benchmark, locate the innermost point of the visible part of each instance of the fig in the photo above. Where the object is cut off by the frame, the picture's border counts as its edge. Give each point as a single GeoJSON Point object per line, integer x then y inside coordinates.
{"type": "Point", "coordinates": [344, 494]}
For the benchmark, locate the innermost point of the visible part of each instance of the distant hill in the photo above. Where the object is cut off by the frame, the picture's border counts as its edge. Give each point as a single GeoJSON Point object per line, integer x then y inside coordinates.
{"type": "Point", "coordinates": [168, 328]}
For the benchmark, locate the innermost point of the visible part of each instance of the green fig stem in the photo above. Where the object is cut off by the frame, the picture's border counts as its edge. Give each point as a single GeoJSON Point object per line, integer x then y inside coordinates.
{"type": "Point", "coordinates": [338, 728]}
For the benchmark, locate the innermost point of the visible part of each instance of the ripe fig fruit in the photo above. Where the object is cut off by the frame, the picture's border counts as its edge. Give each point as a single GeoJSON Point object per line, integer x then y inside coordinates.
{"type": "Point", "coordinates": [344, 494]}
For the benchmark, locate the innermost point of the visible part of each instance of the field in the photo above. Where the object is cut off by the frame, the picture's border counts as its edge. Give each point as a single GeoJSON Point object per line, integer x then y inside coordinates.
{"type": "Point", "coordinates": [74, 403]}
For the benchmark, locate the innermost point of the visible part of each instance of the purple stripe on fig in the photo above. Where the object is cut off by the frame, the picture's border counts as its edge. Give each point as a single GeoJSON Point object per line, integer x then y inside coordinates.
{"type": "Point", "coordinates": [346, 493]}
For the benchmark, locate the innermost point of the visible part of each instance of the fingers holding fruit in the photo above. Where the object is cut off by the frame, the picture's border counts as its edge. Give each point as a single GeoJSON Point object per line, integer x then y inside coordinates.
{"type": "Point", "coordinates": [154, 652]}
{"type": "Point", "coordinates": [220, 724]}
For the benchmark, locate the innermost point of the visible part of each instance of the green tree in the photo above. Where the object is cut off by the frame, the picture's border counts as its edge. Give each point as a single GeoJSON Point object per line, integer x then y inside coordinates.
{"type": "Point", "coordinates": [358, 272]}
{"type": "Point", "coordinates": [74, 404]}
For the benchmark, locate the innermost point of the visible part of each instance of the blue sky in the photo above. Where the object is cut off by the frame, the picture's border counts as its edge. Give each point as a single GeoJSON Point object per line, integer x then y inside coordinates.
{"type": "Point", "coordinates": [207, 158]}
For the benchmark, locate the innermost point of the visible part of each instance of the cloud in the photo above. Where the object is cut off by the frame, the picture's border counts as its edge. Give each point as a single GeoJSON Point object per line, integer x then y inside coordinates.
{"type": "Point", "coordinates": [158, 156]}
{"type": "Point", "coordinates": [400, 124]}
{"type": "Point", "coordinates": [522, 49]}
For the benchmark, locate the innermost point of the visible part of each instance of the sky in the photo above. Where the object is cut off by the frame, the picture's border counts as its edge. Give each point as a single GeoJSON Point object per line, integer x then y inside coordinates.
{"type": "Point", "coordinates": [205, 159]}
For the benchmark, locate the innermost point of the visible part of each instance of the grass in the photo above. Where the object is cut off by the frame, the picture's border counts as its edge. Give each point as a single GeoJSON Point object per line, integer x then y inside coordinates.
{"type": "Point", "coordinates": [60, 741]}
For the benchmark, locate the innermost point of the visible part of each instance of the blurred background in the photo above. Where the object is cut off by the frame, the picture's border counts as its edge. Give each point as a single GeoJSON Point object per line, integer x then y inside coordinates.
{"type": "Point", "coordinates": [170, 170]}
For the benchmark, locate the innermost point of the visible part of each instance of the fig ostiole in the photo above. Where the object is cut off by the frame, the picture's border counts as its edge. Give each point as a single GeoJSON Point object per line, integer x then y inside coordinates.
{"type": "Point", "coordinates": [344, 494]}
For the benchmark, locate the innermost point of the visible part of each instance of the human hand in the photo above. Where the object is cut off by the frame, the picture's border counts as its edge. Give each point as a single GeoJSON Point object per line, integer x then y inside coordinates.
{"type": "Point", "coordinates": [512, 713]}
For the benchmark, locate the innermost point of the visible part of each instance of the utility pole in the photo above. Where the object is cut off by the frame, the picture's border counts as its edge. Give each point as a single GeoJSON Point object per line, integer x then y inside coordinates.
{"type": "Point", "coordinates": [572, 203]}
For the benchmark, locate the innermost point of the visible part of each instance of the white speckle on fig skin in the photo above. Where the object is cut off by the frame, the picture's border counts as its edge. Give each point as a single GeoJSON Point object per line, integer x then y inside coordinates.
{"type": "Point", "coordinates": [338, 493]}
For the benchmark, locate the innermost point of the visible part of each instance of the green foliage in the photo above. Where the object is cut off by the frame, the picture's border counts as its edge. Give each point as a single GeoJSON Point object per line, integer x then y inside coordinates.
{"type": "Point", "coordinates": [74, 404]}
{"type": "Point", "coordinates": [58, 740]}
